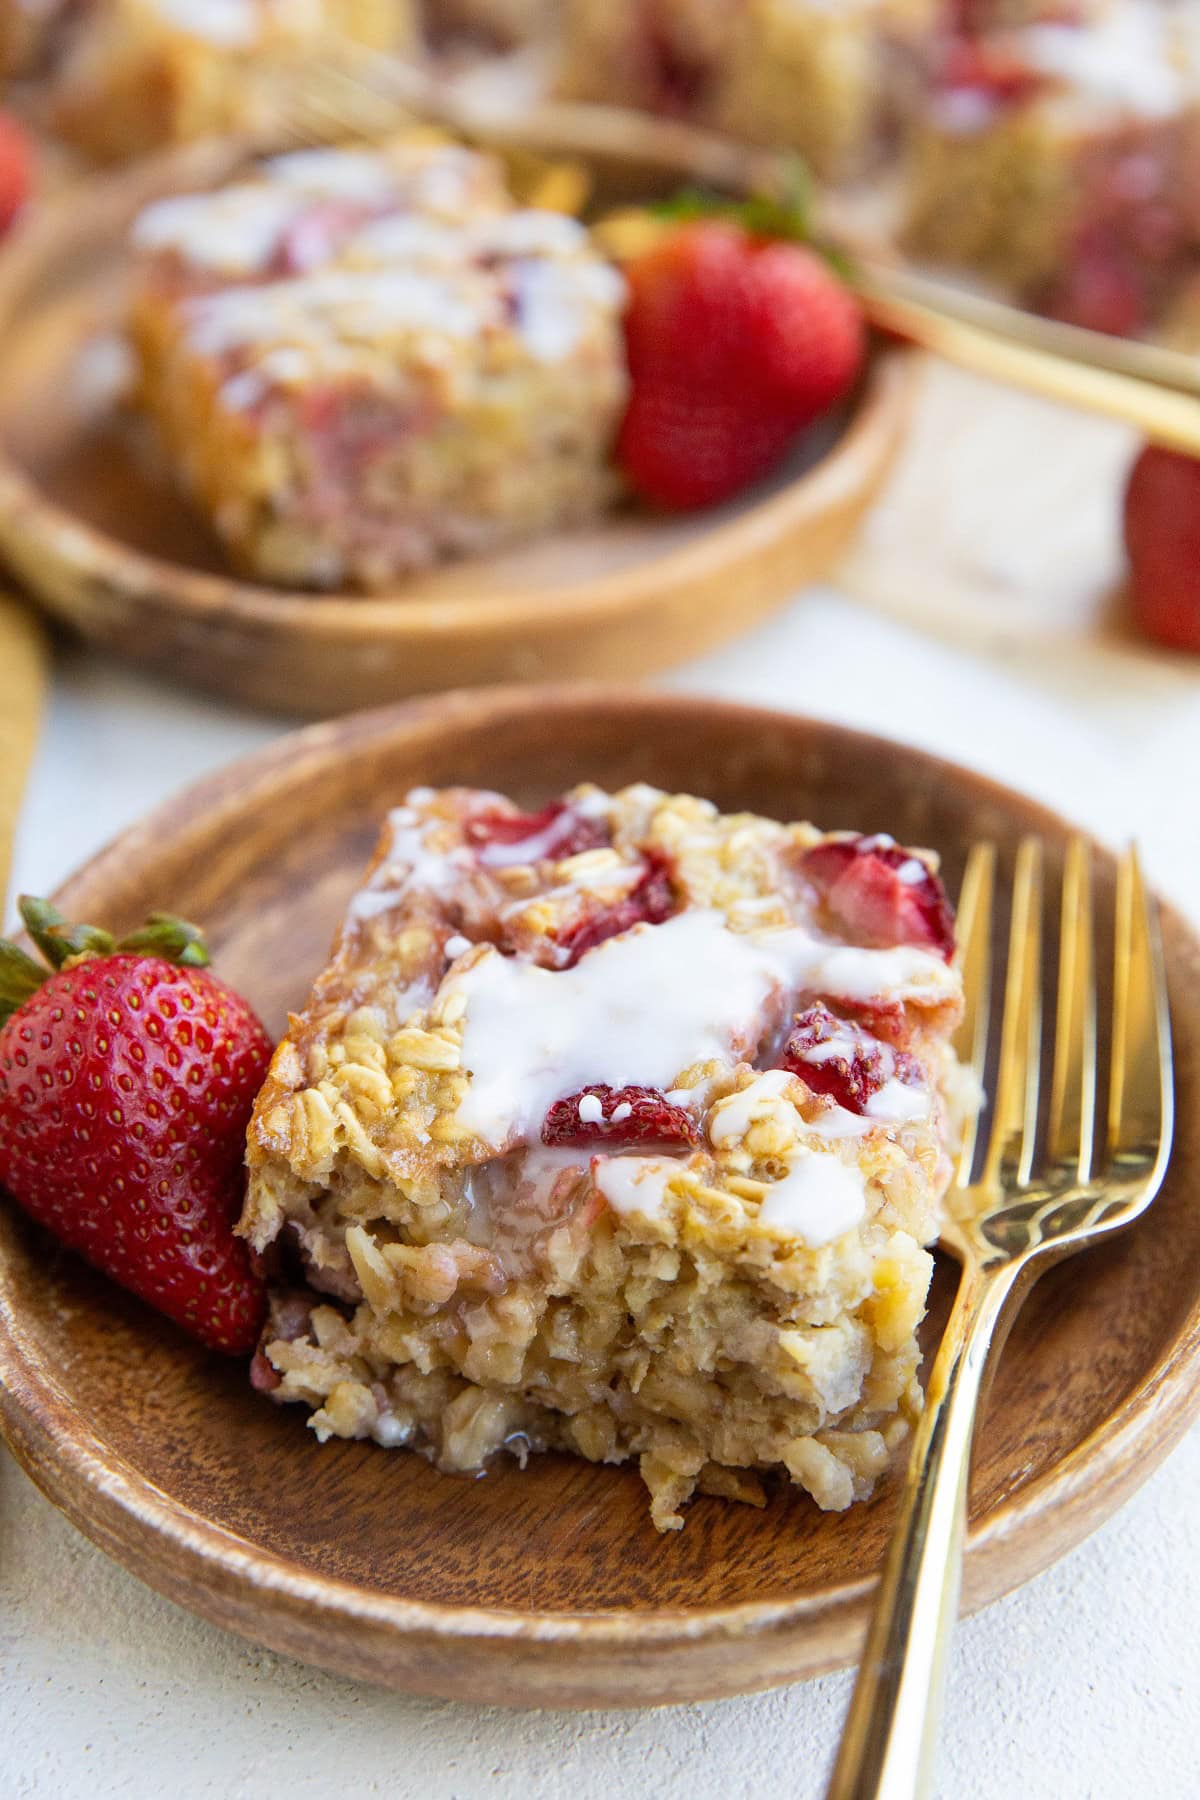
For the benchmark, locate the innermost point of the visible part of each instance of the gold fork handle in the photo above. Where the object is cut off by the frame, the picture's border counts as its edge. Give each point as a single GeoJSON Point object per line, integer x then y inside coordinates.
{"type": "Point", "coordinates": [23, 660]}
{"type": "Point", "coordinates": [1164, 415]}
{"type": "Point", "coordinates": [891, 1728]}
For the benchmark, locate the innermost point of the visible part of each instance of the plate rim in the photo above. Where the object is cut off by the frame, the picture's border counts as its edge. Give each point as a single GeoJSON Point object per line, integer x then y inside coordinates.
{"type": "Point", "coordinates": [1045, 1518]}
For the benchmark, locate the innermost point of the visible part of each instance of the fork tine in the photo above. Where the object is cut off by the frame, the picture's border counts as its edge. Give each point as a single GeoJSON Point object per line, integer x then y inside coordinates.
{"type": "Point", "coordinates": [1014, 1119]}
{"type": "Point", "coordinates": [1072, 1125]}
{"type": "Point", "coordinates": [1141, 1088]}
{"type": "Point", "coordinates": [975, 962]}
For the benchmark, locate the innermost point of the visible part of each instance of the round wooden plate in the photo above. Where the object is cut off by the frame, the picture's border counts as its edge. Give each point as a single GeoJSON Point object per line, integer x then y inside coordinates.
{"type": "Point", "coordinates": [549, 1586]}
{"type": "Point", "coordinates": [90, 521]}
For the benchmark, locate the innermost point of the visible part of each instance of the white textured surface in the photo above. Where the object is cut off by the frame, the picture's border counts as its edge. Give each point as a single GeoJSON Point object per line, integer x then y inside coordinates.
{"type": "Point", "coordinates": [1083, 1684]}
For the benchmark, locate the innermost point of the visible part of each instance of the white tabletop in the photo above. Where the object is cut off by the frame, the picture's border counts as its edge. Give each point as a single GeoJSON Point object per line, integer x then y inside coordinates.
{"type": "Point", "coordinates": [1084, 1683]}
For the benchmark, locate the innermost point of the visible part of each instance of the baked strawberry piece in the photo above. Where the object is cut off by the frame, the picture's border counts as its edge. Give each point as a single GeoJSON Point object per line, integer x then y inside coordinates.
{"type": "Point", "coordinates": [618, 1127]}
{"type": "Point", "coordinates": [127, 1075]}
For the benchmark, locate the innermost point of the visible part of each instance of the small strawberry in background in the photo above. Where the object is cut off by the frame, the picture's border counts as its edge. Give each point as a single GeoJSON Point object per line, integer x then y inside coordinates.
{"type": "Point", "coordinates": [1162, 538]}
{"type": "Point", "coordinates": [127, 1075]}
{"type": "Point", "coordinates": [736, 341]}
{"type": "Point", "coordinates": [16, 169]}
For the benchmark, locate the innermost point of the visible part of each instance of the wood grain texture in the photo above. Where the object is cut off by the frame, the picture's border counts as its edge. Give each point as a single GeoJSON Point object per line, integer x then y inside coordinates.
{"type": "Point", "coordinates": [549, 1586]}
{"type": "Point", "coordinates": [91, 523]}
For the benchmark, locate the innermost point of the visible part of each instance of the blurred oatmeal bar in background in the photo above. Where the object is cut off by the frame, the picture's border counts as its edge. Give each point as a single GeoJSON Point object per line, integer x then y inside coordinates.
{"type": "Point", "coordinates": [361, 361]}
{"type": "Point", "coordinates": [1065, 160]}
{"type": "Point", "coordinates": [138, 74]}
{"type": "Point", "coordinates": [829, 81]}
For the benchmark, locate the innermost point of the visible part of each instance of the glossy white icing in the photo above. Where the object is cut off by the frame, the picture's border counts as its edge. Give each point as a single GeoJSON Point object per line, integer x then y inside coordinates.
{"type": "Point", "coordinates": [818, 1200]}
{"type": "Point", "coordinates": [642, 1006]}
{"type": "Point", "coordinates": [732, 1117]}
{"type": "Point", "coordinates": [635, 1184]}
{"type": "Point", "coordinates": [236, 231]}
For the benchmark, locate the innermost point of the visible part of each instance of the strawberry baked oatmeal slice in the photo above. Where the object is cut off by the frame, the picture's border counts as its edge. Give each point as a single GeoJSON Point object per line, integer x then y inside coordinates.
{"type": "Point", "coordinates": [618, 1129]}
{"type": "Point", "coordinates": [827, 80]}
{"type": "Point", "coordinates": [1062, 158]}
{"type": "Point", "coordinates": [363, 361]}
{"type": "Point", "coordinates": [138, 74]}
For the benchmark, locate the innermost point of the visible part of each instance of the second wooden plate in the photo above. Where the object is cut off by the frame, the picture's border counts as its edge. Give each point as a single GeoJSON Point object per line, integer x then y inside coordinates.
{"type": "Point", "coordinates": [98, 534]}
{"type": "Point", "coordinates": [549, 1586]}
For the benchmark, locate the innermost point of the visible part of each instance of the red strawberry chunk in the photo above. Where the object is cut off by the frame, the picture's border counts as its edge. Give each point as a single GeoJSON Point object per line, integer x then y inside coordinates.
{"type": "Point", "coordinates": [649, 903]}
{"type": "Point", "coordinates": [837, 1057]}
{"type": "Point", "coordinates": [558, 831]}
{"type": "Point", "coordinates": [619, 1118]}
{"type": "Point", "coordinates": [881, 895]}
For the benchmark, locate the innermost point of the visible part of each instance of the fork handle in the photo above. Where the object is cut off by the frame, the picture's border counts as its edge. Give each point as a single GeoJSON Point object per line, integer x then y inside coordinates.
{"type": "Point", "coordinates": [1164, 415]}
{"type": "Point", "coordinates": [890, 1734]}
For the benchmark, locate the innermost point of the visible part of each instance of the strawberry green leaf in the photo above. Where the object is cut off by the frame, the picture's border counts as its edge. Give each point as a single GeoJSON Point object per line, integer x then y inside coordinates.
{"type": "Point", "coordinates": [784, 212]}
{"type": "Point", "coordinates": [20, 976]}
{"type": "Point", "coordinates": [174, 939]}
{"type": "Point", "coordinates": [43, 921]}
{"type": "Point", "coordinates": [82, 940]}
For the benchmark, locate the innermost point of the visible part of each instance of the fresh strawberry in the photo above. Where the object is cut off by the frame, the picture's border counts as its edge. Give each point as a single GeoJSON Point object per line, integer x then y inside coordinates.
{"type": "Point", "coordinates": [1162, 537]}
{"type": "Point", "coordinates": [881, 894]}
{"type": "Point", "coordinates": [734, 345]}
{"type": "Point", "coordinates": [837, 1057]}
{"type": "Point", "coordinates": [127, 1077]}
{"type": "Point", "coordinates": [618, 1118]}
{"type": "Point", "coordinates": [16, 169]}
{"type": "Point", "coordinates": [649, 903]}
{"type": "Point", "coordinates": [552, 835]}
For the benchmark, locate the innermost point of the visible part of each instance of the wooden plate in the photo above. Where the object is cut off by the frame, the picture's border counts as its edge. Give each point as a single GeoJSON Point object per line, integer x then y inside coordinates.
{"type": "Point", "coordinates": [89, 519]}
{"type": "Point", "coordinates": [550, 1586]}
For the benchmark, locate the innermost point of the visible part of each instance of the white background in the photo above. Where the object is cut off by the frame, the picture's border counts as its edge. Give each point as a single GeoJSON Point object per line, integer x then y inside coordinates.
{"type": "Point", "coordinates": [1086, 1683]}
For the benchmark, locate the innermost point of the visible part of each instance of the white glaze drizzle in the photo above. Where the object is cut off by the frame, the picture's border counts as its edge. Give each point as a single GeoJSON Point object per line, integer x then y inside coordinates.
{"type": "Point", "coordinates": [633, 1011]}
{"type": "Point", "coordinates": [819, 1199]}
{"type": "Point", "coordinates": [635, 1184]}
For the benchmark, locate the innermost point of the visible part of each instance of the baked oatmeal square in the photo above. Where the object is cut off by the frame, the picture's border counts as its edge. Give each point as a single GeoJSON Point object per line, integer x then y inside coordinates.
{"type": "Point", "coordinates": [361, 361]}
{"type": "Point", "coordinates": [620, 1129]}
{"type": "Point", "coordinates": [134, 75]}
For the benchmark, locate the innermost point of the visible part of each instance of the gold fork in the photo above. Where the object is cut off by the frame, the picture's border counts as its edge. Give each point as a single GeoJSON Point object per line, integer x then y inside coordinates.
{"type": "Point", "coordinates": [1024, 1212]}
{"type": "Point", "coordinates": [352, 91]}
{"type": "Point", "coordinates": [23, 668]}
